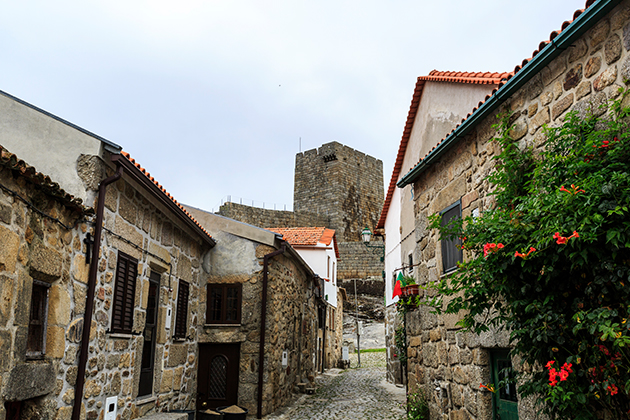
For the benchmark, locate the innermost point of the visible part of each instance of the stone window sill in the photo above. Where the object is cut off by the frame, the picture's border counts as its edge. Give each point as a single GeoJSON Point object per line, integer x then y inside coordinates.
{"type": "Point", "coordinates": [145, 399]}
{"type": "Point", "coordinates": [222, 325]}
{"type": "Point", "coordinates": [121, 336]}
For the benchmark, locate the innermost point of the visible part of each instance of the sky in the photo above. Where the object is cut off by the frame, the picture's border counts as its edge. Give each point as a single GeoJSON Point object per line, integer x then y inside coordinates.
{"type": "Point", "coordinates": [215, 98]}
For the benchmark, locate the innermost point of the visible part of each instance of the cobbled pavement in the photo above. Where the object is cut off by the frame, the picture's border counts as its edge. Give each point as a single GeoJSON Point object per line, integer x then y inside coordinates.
{"type": "Point", "coordinates": [352, 394]}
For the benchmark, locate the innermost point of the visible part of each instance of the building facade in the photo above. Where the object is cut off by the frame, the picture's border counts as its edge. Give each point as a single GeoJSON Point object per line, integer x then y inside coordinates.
{"type": "Point", "coordinates": [580, 67]}
{"type": "Point", "coordinates": [440, 101]}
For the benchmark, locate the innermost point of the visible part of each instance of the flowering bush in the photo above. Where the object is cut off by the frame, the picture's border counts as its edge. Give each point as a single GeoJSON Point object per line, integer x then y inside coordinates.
{"type": "Point", "coordinates": [564, 299]}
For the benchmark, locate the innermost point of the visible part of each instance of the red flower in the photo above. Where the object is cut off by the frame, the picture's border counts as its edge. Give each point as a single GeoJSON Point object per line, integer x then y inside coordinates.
{"type": "Point", "coordinates": [604, 350]}
{"type": "Point", "coordinates": [518, 254]}
{"type": "Point", "coordinates": [567, 367]}
{"type": "Point", "coordinates": [612, 388]}
{"type": "Point", "coordinates": [491, 247]}
{"type": "Point", "coordinates": [562, 240]}
{"type": "Point", "coordinates": [563, 375]}
{"type": "Point", "coordinates": [549, 363]}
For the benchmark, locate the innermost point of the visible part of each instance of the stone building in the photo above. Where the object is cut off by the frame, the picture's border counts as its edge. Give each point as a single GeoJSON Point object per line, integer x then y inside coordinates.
{"type": "Point", "coordinates": [90, 238]}
{"type": "Point", "coordinates": [440, 100]}
{"type": "Point", "coordinates": [342, 189]}
{"type": "Point", "coordinates": [318, 247]}
{"type": "Point", "coordinates": [580, 67]}
{"type": "Point", "coordinates": [134, 358]}
{"type": "Point", "coordinates": [253, 262]}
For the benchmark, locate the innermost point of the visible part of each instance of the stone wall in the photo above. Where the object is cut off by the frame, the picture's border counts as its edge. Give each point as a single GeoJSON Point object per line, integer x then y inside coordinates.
{"type": "Point", "coordinates": [342, 183]}
{"type": "Point", "coordinates": [359, 262]}
{"type": "Point", "coordinates": [291, 326]}
{"type": "Point", "coordinates": [334, 339]}
{"type": "Point", "coordinates": [265, 218]}
{"type": "Point", "coordinates": [580, 78]}
{"type": "Point", "coordinates": [35, 248]}
{"type": "Point", "coordinates": [174, 254]}
{"type": "Point", "coordinates": [394, 367]}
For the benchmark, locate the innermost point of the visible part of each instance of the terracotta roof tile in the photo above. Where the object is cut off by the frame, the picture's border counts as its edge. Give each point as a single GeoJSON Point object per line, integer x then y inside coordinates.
{"type": "Point", "coordinates": [518, 68]}
{"type": "Point", "coordinates": [166, 193]}
{"type": "Point", "coordinates": [11, 161]}
{"type": "Point", "coordinates": [307, 236]}
{"type": "Point", "coordinates": [434, 76]}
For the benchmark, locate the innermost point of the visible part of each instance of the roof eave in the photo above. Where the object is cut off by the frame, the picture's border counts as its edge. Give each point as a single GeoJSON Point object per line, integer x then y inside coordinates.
{"type": "Point", "coordinates": [132, 171]}
{"type": "Point", "coordinates": [576, 29]}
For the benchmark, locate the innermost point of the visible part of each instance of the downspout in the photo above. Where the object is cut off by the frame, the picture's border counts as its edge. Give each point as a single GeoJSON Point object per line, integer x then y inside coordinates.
{"type": "Point", "coordinates": [263, 322]}
{"type": "Point", "coordinates": [324, 337]}
{"type": "Point", "coordinates": [89, 304]}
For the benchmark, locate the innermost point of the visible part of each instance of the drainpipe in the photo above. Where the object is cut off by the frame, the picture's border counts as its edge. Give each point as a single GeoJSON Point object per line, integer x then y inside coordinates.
{"type": "Point", "coordinates": [263, 322]}
{"type": "Point", "coordinates": [324, 338]}
{"type": "Point", "coordinates": [89, 303]}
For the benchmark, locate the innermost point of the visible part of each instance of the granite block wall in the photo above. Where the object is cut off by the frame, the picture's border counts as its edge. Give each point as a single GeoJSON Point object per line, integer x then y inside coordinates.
{"type": "Point", "coordinates": [580, 78]}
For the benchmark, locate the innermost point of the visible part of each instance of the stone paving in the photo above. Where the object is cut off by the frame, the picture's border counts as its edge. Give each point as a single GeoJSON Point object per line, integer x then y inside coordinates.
{"type": "Point", "coordinates": [353, 394]}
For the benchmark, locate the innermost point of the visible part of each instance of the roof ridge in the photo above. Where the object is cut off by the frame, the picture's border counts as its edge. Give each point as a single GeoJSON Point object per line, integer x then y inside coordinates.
{"type": "Point", "coordinates": [518, 68]}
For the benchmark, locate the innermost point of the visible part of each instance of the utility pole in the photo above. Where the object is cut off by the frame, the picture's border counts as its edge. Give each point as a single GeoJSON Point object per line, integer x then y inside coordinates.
{"type": "Point", "coordinates": [356, 319]}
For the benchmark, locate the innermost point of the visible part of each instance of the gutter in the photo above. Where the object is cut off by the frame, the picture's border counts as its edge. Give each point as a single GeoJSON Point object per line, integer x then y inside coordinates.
{"type": "Point", "coordinates": [263, 324]}
{"type": "Point", "coordinates": [89, 304]}
{"type": "Point", "coordinates": [564, 40]}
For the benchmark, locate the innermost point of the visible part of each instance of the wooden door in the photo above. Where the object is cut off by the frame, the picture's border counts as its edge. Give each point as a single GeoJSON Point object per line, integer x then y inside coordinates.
{"type": "Point", "coordinates": [505, 400]}
{"type": "Point", "coordinates": [145, 386]}
{"type": "Point", "coordinates": [218, 375]}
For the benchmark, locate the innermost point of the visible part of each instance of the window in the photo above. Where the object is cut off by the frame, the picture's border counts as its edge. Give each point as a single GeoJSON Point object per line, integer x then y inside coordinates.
{"type": "Point", "coordinates": [223, 305]}
{"type": "Point", "coordinates": [124, 294]}
{"type": "Point", "coordinates": [451, 250]}
{"type": "Point", "coordinates": [333, 273]}
{"type": "Point", "coordinates": [36, 343]}
{"type": "Point", "coordinates": [410, 261]}
{"type": "Point", "coordinates": [182, 310]}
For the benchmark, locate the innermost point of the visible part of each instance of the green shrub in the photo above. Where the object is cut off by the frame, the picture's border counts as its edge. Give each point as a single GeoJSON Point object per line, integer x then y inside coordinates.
{"type": "Point", "coordinates": [551, 263]}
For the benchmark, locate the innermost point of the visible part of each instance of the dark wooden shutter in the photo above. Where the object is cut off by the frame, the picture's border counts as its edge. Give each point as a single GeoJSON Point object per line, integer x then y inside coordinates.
{"type": "Point", "coordinates": [124, 294]}
{"type": "Point", "coordinates": [182, 310]}
{"type": "Point", "coordinates": [451, 251]}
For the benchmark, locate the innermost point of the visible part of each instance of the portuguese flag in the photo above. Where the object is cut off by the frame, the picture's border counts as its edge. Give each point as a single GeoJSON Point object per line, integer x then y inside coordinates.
{"type": "Point", "coordinates": [400, 282]}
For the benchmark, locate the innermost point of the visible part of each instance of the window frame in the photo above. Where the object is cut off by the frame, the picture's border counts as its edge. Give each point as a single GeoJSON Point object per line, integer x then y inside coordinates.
{"type": "Point", "coordinates": [181, 313]}
{"type": "Point", "coordinates": [43, 314]}
{"type": "Point", "coordinates": [451, 244]}
{"type": "Point", "coordinates": [122, 310]}
{"type": "Point", "coordinates": [224, 288]}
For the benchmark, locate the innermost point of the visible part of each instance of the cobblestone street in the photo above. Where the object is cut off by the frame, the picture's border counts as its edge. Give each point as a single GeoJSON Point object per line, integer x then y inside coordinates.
{"type": "Point", "coordinates": [353, 394]}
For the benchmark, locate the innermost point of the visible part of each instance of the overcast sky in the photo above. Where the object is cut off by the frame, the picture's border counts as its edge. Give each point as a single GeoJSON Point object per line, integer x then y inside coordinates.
{"type": "Point", "coordinates": [212, 97]}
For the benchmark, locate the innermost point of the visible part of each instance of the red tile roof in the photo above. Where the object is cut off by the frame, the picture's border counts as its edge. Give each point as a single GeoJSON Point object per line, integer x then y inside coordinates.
{"type": "Point", "coordinates": [434, 76]}
{"type": "Point", "coordinates": [518, 68]}
{"type": "Point", "coordinates": [11, 161]}
{"type": "Point", "coordinates": [478, 78]}
{"type": "Point", "coordinates": [308, 236]}
{"type": "Point", "coordinates": [166, 193]}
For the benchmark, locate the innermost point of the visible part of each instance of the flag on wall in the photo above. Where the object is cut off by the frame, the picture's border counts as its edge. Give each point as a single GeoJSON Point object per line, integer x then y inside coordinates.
{"type": "Point", "coordinates": [400, 282]}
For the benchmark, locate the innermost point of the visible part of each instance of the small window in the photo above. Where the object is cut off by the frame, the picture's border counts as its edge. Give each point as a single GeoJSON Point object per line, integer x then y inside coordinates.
{"type": "Point", "coordinates": [36, 343]}
{"type": "Point", "coordinates": [124, 294]}
{"type": "Point", "coordinates": [451, 248]}
{"type": "Point", "coordinates": [334, 271]}
{"type": "Point", "coordinates": [223, 305]}
{"type": "Point", "coordinates": [410, 261]}
{"type": "Point", "coordinates": [181, 320]}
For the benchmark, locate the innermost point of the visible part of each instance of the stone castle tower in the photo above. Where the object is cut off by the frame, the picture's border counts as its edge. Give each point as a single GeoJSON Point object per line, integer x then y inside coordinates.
{"type": "Point", "coordinates": [341, 183]}
{"type": "Point", "coordinates": [339, 188]}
